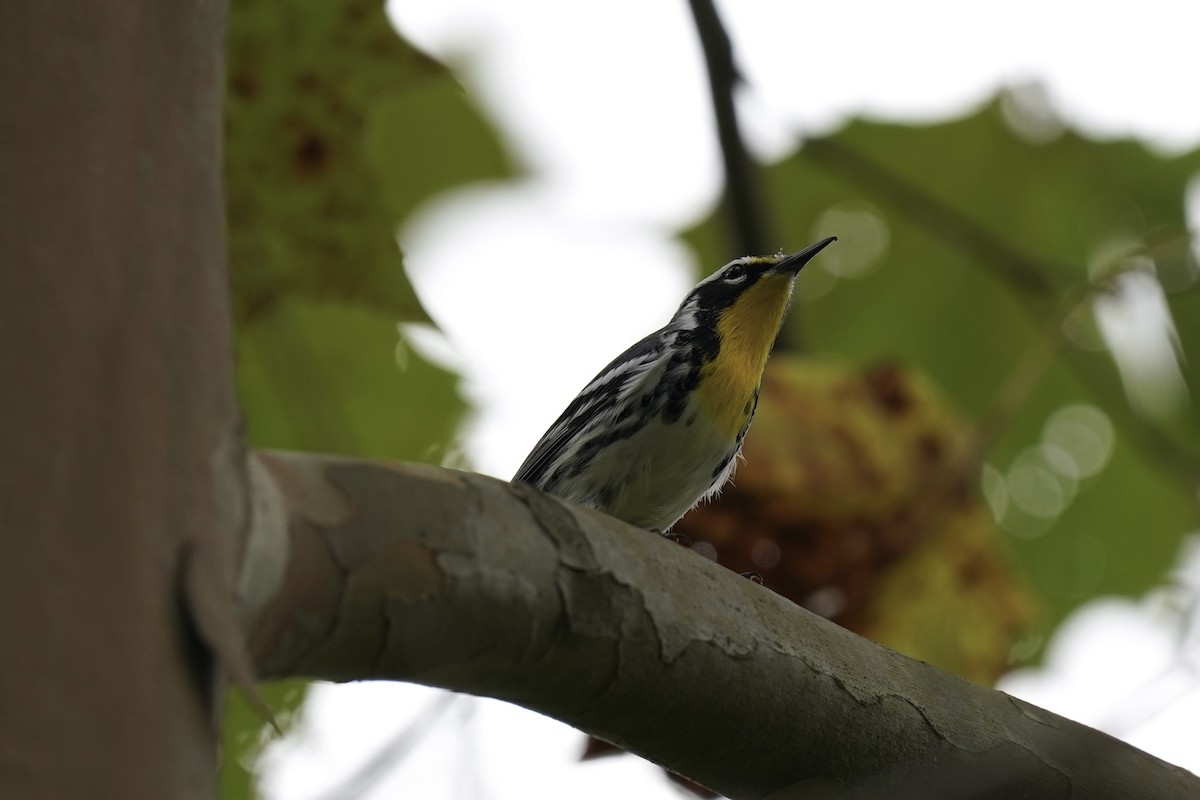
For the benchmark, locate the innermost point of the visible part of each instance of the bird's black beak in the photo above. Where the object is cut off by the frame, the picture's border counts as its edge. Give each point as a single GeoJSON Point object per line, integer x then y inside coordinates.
{"type": "Point", "coordinates": [795, 262]}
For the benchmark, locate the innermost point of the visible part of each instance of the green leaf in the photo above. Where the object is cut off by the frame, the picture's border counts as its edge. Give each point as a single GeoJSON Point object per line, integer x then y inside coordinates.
{"type": "Point", "coordinates": [309, 214]}
{"type": "Point", "coordinates": [961, 240]}
{"type": "Point", "coordinates": [339, 379]}
{"type": "Point", "coordinates": [246, 733]}
{"type": "Point", "coordinates": [425, 140]}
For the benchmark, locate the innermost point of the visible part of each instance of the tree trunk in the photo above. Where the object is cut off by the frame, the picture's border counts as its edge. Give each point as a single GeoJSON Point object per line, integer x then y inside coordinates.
{"type": "Point", "coordinates": [121, 439]}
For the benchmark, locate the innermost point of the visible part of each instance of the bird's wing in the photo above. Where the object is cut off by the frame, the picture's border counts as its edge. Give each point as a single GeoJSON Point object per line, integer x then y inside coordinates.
{"type": "Point", "coordinates": [619, 380]}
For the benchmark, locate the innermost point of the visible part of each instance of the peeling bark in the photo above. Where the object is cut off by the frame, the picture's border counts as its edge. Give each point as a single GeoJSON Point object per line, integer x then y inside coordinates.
{"type": "Point", "coordinates": [123, 504]}
{"type": "Point", "coordinates": [463, 582]}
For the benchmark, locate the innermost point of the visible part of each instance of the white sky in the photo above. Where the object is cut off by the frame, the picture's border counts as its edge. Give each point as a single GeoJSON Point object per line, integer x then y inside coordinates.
{"type": "Point", "coordinates": [607, 107]}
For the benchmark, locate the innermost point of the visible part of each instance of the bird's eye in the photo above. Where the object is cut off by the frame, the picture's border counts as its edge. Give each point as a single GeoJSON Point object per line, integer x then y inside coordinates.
{"type": "Point", "coordinates": [735, 273]}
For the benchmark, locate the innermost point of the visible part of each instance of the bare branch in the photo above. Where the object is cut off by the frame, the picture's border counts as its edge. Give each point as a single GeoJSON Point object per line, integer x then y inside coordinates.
{"type": "Point", "coordinates": [460, 581]}
{"type": "Point", "coordinates": [743, 199]}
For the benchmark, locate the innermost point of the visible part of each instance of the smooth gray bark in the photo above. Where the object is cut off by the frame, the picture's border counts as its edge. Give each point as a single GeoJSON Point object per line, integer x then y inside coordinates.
{"type": "Point", "coordinates": [364, 570]}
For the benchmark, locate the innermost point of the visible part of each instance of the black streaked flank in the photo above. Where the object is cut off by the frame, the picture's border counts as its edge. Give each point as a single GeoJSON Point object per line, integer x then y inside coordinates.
{"type": "Point", "coordinates": [572, 422]}
{"type": "Point", "coordinates": [605, 496]}
{"type": "Point", "coordinates": [749, 418]}
{"type": "Point", "coordinates": [679, 392]}
{"type": "Point", "coordinates": [592, 447]}
{"type": "Point", "coordinates": [716, 473]}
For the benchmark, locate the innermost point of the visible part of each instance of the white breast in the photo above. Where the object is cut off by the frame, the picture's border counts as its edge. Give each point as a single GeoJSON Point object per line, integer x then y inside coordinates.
{"type": "Point", "coordinates": [656, 475]}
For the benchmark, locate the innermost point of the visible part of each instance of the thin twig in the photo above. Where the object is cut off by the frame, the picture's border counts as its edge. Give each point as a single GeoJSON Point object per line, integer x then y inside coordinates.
{"type": "Point", "coordinates": [743, 200]}
{"type": "Point", "coordinates": [1027, 275]}
{"type": "Point", "coordinates": [391, 753]}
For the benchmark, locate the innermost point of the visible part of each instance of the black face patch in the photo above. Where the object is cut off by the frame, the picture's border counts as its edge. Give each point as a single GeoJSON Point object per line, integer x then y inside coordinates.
{"type": "Point", "coordinates": [734, 274]}
{"type": "Point", "coordinates": [715, 295]}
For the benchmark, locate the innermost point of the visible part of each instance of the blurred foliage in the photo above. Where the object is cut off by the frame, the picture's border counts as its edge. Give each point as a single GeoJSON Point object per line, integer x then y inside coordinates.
{"type": "Point", "coordinates": [326, 378]}
{"type": "Point", "coordinates": [336, 130]}
{"type": "Point", "coordinates": [856, 501]}
{"type": "Point", "coordinates": [245, 735]}
{"type": "Point", "coordinates": [959, 241]}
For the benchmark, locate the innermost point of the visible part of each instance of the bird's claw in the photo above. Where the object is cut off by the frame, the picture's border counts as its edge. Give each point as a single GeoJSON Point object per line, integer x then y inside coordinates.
{"type": "Point", "coordinates": [677, 538]}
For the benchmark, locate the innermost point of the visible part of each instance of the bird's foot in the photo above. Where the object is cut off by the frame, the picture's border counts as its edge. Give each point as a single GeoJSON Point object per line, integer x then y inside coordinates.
{"type": "Point", "coordinates": [677, 538]}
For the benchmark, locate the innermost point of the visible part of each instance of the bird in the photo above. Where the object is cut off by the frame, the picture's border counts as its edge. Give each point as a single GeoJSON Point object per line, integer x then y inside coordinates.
{"type": "Point", "coordinates": [659, 430]}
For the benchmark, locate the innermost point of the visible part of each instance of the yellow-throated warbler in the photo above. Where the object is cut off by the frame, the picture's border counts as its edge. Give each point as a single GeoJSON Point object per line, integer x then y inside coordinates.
{"type": "Point", "coordinates": [660, 428]}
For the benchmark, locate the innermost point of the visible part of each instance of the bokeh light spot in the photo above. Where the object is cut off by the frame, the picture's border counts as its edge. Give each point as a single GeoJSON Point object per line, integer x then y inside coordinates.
{"type": "Point", "coordinates": [863, 239]}
{"type": "Point", "coordinates": [1035, 487]}
{"type": "Point", "coordinates": [1084, 434]}
{"type": "Point", "coordinates": [995, 491]}
{"type": "Point", "coordinates": [765, 553]}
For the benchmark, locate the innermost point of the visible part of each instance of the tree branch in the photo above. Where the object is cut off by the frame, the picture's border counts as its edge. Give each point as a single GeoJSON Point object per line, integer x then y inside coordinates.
{"type": "Point", "coordinates": [359, 570]}
{"type": "Point", "coordinates": [742, 200]}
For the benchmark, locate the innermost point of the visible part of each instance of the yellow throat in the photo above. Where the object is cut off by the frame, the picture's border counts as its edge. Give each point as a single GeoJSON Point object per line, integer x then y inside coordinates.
{"type": "Point", "coordinates": [747, 330]}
